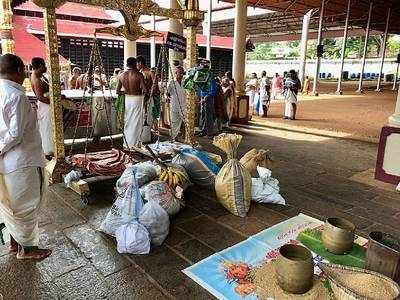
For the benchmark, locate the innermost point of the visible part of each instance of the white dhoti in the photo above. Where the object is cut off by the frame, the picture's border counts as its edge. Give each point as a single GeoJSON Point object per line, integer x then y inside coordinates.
{"type": "Point", "coordinates": [45, 128]}
{"type": "Point", "coordinates": [21, 195]}
{"type": "Point", "coordinates": [289, 109]}
{"type": "Point", "coordinates": [133, 120]}
{"type": "Point", "coordinates": [290, 99]}
{"type": "Point", "coordinates": [177, 120]}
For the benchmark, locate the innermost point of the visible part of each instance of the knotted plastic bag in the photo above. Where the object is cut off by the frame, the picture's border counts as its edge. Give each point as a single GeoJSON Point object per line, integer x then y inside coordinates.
{"type": "Point", "coordinates": [266, 189]}
{"type": "Point", "coordinates": [133, 237]}
{"type": "Point", "coordinates": [156, 221]}
{"type": "Point", "coordinates": [126, 207]}
{"type": "Point", "coordinates": [233, 182]}
{"type": "Point", "coordinates": [160, 192]}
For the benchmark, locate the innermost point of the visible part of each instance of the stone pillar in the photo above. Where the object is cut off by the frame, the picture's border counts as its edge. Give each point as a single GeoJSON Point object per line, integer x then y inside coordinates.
{"type": "Point", "coordinates": [345, 34]}
{"type": "Point", "coordinates": [378, 86]}
{"type": "Point", "coordinates": [7, 41]}
{"type": "Point", "coordinates": [153, 59]}
{"type": "Point", "coordinates": [303, 46]}
{"type": "Point", "coordinates": [319, 42]}
{"type": "Point", "coordinates": [57, 166]}
{"type": "Point", "coordinates": [129, 49]}
{"type": "Point", "coordinates": [209, 23]}
{"type": "Point", "coordinates": [175, 26]}
{"type": "Point", "coordinates": [239, 45]}
{"type": "Point", "coordinates": [360, 84]}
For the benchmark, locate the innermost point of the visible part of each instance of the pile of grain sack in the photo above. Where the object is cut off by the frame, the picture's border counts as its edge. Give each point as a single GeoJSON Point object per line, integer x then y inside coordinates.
{"type": "Point", "coordinates": [234, 185]}
{"type": "Point", "coordinates": [149, 193]}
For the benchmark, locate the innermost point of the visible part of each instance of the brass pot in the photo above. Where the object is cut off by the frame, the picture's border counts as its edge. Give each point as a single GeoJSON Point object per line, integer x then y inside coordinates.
{"type": "Point", "coordinates": [383, 255]}
{"type": "Point", "coordinates": [294, 269]}
{"type": "Point", "coordinates": [338, 235]}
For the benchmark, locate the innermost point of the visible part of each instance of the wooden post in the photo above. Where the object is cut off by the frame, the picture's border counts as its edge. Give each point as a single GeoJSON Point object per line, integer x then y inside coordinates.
{"type": "Point", "coordinates": [193, 16]}
{"type": "Point", "coordinates": [56, 167]}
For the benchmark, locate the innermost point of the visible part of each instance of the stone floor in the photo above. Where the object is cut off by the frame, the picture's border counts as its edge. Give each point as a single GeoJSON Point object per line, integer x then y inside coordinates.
{"type": "Point", "coordinates": [314, 172]}
{"type": "Point", "coordinates": [350, 115]}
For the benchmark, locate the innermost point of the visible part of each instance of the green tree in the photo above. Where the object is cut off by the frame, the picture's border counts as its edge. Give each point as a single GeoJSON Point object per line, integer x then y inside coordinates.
{"type": "Point", "coordinates": [332, 48]}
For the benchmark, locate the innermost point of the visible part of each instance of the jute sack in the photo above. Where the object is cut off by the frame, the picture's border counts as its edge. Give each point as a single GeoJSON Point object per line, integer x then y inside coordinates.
{"type": "Point", "coordinates": [254, 158]}
{"type": "Point", "coordinates": [233, 182]}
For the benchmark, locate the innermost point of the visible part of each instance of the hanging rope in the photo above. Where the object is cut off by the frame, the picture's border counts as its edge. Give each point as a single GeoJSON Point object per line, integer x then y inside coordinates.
{"type": "Point", "coordinates": [163, 67]}
{"type": "Point", "coordinates": [95, 60]}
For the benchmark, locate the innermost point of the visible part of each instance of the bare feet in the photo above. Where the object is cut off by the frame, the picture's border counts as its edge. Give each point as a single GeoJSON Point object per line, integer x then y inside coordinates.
{"type": "Point", "coordinates": [33, 253]}
{"type": "Point", "coordinates": [13, 248]}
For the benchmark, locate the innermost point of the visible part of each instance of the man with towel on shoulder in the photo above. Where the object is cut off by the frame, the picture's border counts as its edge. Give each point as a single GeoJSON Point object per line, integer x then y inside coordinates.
{"type": "Point", "coordinates": [40, 86]}
{"type": "Point", "coordinates": [131, 81]}
{"type": "Point", "coordinates": [22, 187]}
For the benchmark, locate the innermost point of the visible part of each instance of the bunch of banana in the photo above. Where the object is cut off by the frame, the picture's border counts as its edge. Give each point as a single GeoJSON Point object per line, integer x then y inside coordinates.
{"type": "Point", "coordinates": [174, 177]}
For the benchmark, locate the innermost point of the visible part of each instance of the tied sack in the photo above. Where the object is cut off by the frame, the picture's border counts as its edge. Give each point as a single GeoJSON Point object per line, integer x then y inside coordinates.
{"type": "Point", "coordinates": [254, 158]}
{"type": "Point", "coordinates": [156, 221]}
{"type": "Point", "coordinates": [132, 237]}
{"type": "Point", "coordinates": [233, 182]}
{"type": "Point", "coordinates": [200, 168]}
{"type": "Point", "coordinates": [161, 192]}
{"type": "Point", "coordinates": [144, 173]}
{"type": "Point", "coordinates": [266, 189]}
{"type": "Point", "coordinates": [123, 210]}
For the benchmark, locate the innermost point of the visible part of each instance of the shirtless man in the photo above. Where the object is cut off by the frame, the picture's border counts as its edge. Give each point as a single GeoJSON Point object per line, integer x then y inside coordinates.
{"type": "Point", "coordinates": [40, 87]}
{"type": "Point", "coordinates": [134, 86]}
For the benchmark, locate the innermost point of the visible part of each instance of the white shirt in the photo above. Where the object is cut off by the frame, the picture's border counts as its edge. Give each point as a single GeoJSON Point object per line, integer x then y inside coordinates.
{"type": "Point", "coordinates": [178, 96]}
{"type": "Point", "coordinates": [20, 143]}
{"type": "Point", "coordinates": [263, 91]}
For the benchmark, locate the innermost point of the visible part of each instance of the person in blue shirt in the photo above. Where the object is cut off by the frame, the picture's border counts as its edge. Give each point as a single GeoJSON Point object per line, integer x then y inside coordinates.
{"type": "Point", "coordinates": [207, 112]}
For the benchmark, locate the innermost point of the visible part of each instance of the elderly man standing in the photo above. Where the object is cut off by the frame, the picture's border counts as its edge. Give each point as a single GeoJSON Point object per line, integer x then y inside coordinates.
{"type": "Point", "coordinates": [21, 162]}
{"type": "Point", "coordinates": [177, 98]}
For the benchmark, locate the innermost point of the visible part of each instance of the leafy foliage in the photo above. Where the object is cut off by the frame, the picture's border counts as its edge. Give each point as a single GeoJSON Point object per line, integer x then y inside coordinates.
{"type": "Point", "coordinates": [332, 48]}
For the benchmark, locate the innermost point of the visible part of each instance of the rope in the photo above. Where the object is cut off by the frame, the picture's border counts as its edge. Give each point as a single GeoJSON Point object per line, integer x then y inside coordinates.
{"type": "Point", "coordinates": [95, 60]}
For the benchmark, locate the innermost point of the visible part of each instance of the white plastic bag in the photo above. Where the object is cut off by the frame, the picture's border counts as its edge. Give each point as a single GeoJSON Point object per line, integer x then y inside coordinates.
{"type": "Point", "coordinates": [156, 221]}
{"type": "Point", "coordinates": [133, 238]}
{"type": "Point", "coordinates": [160, 192]}
{"type": "Point", "coordinates": [144, 173]}
{"type": "Point", "coordinates": [266, 189]}
{"type": "Point", "coordinates": [398, 187]}
{"type": "Point", "coordinates": [71, 177]}
{"type": "Point", "coordinates": [125, 209]}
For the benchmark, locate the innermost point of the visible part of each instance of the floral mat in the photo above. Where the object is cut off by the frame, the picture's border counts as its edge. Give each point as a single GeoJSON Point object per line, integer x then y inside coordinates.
{"type": "Point", "coordinates": [228, 273]}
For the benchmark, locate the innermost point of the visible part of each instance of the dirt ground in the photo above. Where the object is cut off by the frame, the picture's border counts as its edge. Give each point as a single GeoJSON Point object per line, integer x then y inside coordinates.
{"type": "Point", "coordinates": [358, 116]}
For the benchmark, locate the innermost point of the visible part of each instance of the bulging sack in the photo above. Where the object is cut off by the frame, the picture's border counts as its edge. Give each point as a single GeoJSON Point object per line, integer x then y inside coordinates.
{"type": "Point", "coordinates": [160, 192]}
{"type": "Point", "coordinates": [254, 158]}
{"type": "Point", "coordinates": [126, 208]}
{"type": "Point", "coordinates": [156, 221]}
{"type": "Point", "coordinates": [201, 172]}
{"type": "Point", "coordinates": [266, 189]}
{"type": "Point", "coordinates": [144, 172]}
{"type": "Point", "coordinates": [133, 238]}
{"type": "Point", "coordinates": [233, 182]}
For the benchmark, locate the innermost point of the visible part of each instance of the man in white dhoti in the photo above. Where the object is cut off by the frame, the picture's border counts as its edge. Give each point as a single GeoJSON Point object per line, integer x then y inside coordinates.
{"type": "Point", "coordinates": [131, 83]}
{"type": "Point", "coordinates": [21, 162]}
{"type": "Point", "coordinates": [291, 89]}
{"type": "Point", "coordinates": [40, 87]}
{"type": "Point", "coordinates": [177, 98]}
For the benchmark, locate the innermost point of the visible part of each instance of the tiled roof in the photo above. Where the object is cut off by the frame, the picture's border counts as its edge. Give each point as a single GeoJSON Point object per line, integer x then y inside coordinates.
{"type": "Point", "coordinates": [69, 28]}
{"type": "Point", "coordinates": [71, 9]}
